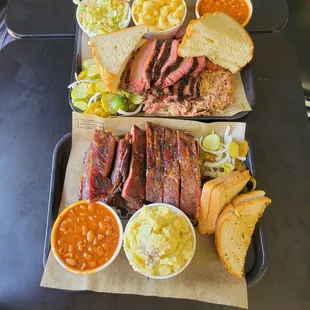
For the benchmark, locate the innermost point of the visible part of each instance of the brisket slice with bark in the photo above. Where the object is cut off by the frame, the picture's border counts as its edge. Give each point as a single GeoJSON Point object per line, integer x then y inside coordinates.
{"type": "Point", "coordinates": [134, 187]}
{"type": "Point", "coordinates": [154, 167]}
{"type": "Point", "coordinates": [172, 61]}
{"type": "Point", "coordinates": [139, 81]}
{"type": "Point", "coordinates": [182, 70]}
{"type": "Point", "coordinates": [190, 174]}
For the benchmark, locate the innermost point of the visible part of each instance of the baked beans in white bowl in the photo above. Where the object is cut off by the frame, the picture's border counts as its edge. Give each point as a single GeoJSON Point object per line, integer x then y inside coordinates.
{"type": "Point", "coordinates": [86, 237]}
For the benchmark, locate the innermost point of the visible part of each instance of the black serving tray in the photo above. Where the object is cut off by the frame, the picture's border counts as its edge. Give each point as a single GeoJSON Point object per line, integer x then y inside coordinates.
{"type": "Point", "coordinates": [246, 76]}
{"type": "Point", "coordinates": [256, 260]}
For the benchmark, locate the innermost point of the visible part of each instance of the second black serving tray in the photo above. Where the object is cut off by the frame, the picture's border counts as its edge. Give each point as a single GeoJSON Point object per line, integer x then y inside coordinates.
{"type": "Point", "coordinates": [246, 76]}
{"type": "Point", "coordinates": [256, 260]}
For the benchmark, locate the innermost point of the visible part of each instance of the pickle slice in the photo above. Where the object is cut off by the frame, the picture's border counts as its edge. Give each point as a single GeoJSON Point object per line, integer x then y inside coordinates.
{"type": "Point", "coordinates": [88, 63]}
{"type": "Point", "coordinates": [243, 148]}
{"type": "Point", "coordinates": [233, 149]}
{"type": "Point", "coordinates": [80, 92]}
{"type": "Point", "coordinates": [211, 142]}
{"type": "Point", "coordinates": [80, 104]}
{"type": "Point", "coordinates": [93, 72]}
{"type": "Point", "coordinates": [100, 87]}
{"type": "Point", "coordinates": [136, 99]}
{"type": "Point", "coordinates": [82, 75]}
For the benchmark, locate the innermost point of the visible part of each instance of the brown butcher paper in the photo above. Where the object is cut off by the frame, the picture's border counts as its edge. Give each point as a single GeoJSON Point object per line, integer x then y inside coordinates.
{"type": "Point", "coordinates": [205, 279]}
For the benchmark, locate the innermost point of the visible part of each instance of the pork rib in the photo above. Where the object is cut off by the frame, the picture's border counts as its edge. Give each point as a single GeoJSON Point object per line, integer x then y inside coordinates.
{"type": "Point", "coordinates": [95, 184]}
{"type": "Point", "coordinates": [190, 174]}
{"type": "Point", "coordinates": [121, 166]}
{"type": "Point", "coordinates": [171, 180]}
{"type": "Point", "coordinates": [134, 188]}
{"type": "Point", "coordinates": [154, 168]}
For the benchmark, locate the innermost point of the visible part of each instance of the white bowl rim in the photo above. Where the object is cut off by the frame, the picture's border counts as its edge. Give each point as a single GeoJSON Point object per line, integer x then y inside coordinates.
{"type": "Point", "coordinates": [117, 250]}
{"type": "Point", "coordinates": [167, 31]}
{"type": "Point", "coordinates": [177, 211]}
{"type": "Point", "coordinates": [92, 34]}
{"type": "Point", "coordinates": [249, 2]}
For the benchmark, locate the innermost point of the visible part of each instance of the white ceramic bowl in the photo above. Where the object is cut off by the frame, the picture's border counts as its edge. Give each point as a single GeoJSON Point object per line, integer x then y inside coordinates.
{"type": "Point", "coordinates": [163, 34]}
{"type": "Point", "coordinates": [177, 211]}
{"type": "Point", "coordinates": [249, 3]}
{"type": "Point", "coordinates": [92, 34]}
{"type": "Point", "coordinates": [117, 250]}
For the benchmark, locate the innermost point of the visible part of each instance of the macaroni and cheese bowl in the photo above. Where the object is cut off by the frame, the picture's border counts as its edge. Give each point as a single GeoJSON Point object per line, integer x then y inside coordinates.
{"type": "Point", "coordinates": [86, 237]}
{"type": "Point", "coordinates": [159, 241]}
{"type": "Point", "coordinates": [163, 17]}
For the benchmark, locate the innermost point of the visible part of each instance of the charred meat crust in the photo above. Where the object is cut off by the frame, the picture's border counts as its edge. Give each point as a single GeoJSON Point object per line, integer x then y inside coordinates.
{"type": "Point", "coordinates": [190, 175]}
{"type": "Point", "coordinates": [134, 188]}
{"type": "Point", "coordinates": [164, 57]}
{"type": "Point", "coordinates": [154, 162]}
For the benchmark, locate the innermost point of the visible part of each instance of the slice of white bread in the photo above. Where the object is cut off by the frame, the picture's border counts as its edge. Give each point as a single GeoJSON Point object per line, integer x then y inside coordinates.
{"type": "Point", "coordinates": [112, 52]}
{"type": "Point", "coordinates": [247, 196]}
{"type": "Point", "coordinates": [208, 187]}
{"type": "Point", "coordinates": [234, 231]}
{"type": "Point", "coordinates": [222, 195]}
{"type": "Point", "coordinates": [220, 38]}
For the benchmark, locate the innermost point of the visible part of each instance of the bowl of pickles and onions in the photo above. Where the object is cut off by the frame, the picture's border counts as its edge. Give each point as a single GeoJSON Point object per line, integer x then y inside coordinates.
{"type": "Point", "coordinates": [89, 95]}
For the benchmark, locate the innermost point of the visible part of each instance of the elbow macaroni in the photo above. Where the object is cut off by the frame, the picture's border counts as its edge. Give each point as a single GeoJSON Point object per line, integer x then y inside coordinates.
{"type": "Point", "coordinates": [158, 14]}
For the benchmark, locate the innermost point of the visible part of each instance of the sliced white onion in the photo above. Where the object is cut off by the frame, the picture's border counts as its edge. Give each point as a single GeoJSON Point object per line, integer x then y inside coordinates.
{"type": "Point", "coordinates": [229, 140]}
{"type": "Point", "coordinates": [122, 112]}
{"type": "Point", "coordinates": [226, 134]}
{"type": "Point", "coordinates": [72, 85]}
{"type": "Point", "coordinates": [241, 158]}
{"type": "Point", "coordinates": [83, 81]}
{"type": "Point", "coordinates": [233, 161]}
{"type": "Point", "coordinates": [93, 98]}
{"type": "Point", "coordinates": [217, 164]}
{"type": "Point", "coordinates": [211, 174]}
{"type": "Point", "coordinates": [219, 157]}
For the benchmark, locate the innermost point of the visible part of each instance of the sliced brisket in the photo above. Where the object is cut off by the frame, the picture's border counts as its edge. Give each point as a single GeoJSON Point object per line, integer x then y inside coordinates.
{"type": "Point", "coordinates": [171, 180]}
{"type": "Point", "coordinates": [154, 163]}
{"type": "Point", "coordinates": [139, 79]}
{"type": "Point", "coordinates": [202, 62]}
{"type": "Point", "coordinates": [190, 174]}
{"type": "Point", "coordinates": [183, 70]}
{"type": "Point", "coordinates": [169, 61]}
{"type": "Point", "coordinates": [162, 59]}
{"type": "Point", "coordinates": [157, 54]}
{"type": "Point", "coordinates": [134, 188]}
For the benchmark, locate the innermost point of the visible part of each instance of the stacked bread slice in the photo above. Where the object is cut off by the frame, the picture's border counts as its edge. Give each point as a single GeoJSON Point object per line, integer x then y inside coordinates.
{"type": "Point", "coordinates": [235, 227]}
{"type": "Point", "coordinates": [220, 38]}
{"type": "Point", "coordinates": [112, 52]}
{"type": "Point", "coordinates": [215, 195]}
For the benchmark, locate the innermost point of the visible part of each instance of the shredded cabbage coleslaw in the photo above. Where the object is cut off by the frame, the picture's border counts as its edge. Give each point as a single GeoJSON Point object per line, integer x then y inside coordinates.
{"type": "Point", "coordinates": [103, 16]}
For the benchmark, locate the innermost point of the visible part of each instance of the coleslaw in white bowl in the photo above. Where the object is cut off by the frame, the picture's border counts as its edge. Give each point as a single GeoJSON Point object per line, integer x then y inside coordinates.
{"type": "Point", "coordinates": [97, 17]}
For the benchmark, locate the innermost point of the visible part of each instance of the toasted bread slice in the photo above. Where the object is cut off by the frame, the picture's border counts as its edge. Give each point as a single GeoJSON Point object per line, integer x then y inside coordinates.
{"type": "Point", "coordinates": [223, 194]}
{"type": "Point", "coordinates": [247, 196]}
{"type": "Point", "coordinates": [234, 231]}
{"type": "Point", "coordinates": [112, 52]}
{"type": "Point", "coordinates": [220, 38]}
{"type": "Point", "coordinates": [208, 187]}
